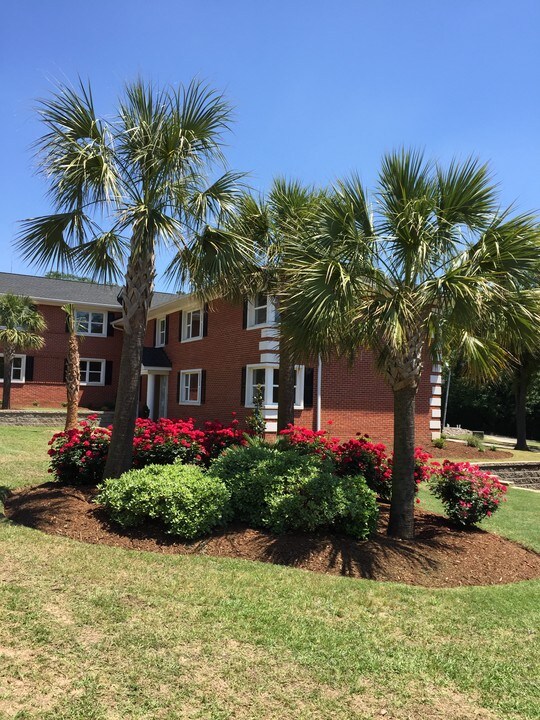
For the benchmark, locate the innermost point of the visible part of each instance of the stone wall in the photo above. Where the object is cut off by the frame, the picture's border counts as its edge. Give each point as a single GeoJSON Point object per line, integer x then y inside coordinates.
{"type": "Point", "coordinates": [49, 418]}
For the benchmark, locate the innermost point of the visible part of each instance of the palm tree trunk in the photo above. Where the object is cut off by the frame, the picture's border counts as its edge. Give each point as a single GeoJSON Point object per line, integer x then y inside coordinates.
{"type": "Point", "coordinates": [401, 522]}
{"type": "Point", "coordinates": [521, 384]}
{"type": "Point", "coordinates": [9, 356]}
{"type": "Point", "coordinates": [287, 379]}
{"type": "Point", "coordinates": [136, 299]}
{"type": "Point", "coordinates": [73, 380]}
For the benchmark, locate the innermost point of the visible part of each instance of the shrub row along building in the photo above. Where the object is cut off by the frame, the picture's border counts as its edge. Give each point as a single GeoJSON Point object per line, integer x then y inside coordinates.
{"type": "Point", "coordinates": [202, 362]}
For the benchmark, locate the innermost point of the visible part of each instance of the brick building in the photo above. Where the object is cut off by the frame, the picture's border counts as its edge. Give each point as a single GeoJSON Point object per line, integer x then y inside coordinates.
{"type": "Point", "coordinates": [202, 362]}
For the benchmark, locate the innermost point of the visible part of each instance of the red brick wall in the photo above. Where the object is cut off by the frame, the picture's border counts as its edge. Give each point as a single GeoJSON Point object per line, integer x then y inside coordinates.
{"type": "Point", "coordinates": [355, 399]}
{"type": "Point", "coordinates": [47, 388]}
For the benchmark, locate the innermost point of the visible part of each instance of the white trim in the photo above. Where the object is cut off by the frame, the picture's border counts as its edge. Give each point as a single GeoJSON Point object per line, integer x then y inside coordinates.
{"type": "Point", "coordinates": [90, 313]}
{"type": "Point", "coordinates": [435, 412]}
{"type": "Point", "coordinates": [269, 384]}
{"type": "Point", "coordinates": [22, 379]}
{"type": "Point", "coordinates": [93, 384]}
{"type": "Point", "coordinates": [150, 370]}
{"type": "Point", "coordinates": [435, 401]}
{"type": "Point", "coordinates": [436, 390]}
{"type": "Point", "coordinates": [183, 334]}
{"type": "Point", "coordinates": [270, 313]}
{"type": "Point", "coordinates": [161, 331]}
{"type": "Point", "coordinates": [434, 424]}
{"type": "Point", "coordinates": [270, 332]}
{"type": "Point", "coordinates": [183, 373]}
{"type": "Point", "coordinates": [435, 435]}
{"type": "Point", "coordinates": [269, 358]}
{"type": "Point", "coordinates": [271, 345]}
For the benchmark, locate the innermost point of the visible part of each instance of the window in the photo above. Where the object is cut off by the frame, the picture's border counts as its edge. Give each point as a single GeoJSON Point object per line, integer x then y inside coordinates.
{"type": "Point", "coordinates": [267, 378]}
{"type": "Point", "coordinates": [161, 332]}
{"type": "Point", "coordinates": [190, 387]}
{"type": "Point", "coordinates": [192, 325]}
{"type": "Point", "coordinates": [261, 310]}
{"type": "Point", "coordinates": [90, 323]}
{"type": "Point", "coordinates": [92, 372]}
{"type": "Point", "coordinates": [17, 369]}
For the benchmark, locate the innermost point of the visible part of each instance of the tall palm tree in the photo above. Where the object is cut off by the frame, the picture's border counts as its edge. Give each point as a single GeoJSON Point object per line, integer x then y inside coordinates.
{"type": "Point", "coordinates": [420, 267]}
{"type": "Point", "coordinates": [123, 188]}
{"type": "Point", "coordinates": [264, 232]}
{"type": "Point", "coordinates": [21, 325]}
{"type": "Point", "coordinates": [73, 369]}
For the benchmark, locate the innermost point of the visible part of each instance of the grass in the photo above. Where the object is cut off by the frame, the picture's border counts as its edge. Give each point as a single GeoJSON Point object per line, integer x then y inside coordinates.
{"type": "Point", "coordinates": [99, 633]}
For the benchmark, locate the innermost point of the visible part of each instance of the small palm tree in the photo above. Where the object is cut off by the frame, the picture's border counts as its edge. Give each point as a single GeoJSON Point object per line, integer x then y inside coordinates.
{"type": "Point", "coordinates": [263, 232]}
{"type": "Point", "coordinates": [21, 325]}
{"type": "Point", "coordinates": [420, 268]}
{"type": "Point", "coordinates": [123, 188]}
{"type": "Point", "coordinates": [73, 369]}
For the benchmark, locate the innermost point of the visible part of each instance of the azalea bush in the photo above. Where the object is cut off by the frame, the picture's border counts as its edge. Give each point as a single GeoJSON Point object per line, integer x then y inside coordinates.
{"type": "Point", "coordinates": [468, 493]}
{"type": "Point", "coordinates": [184, 499]}
{"type": "Point", "coordinates": [357, 456]}
{"type": "Point", "coordinates": [79, 455]}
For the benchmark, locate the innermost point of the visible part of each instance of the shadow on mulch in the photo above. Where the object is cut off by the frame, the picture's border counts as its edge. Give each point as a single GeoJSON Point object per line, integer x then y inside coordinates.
{"type": "Point", "coordinates": [440, 556]}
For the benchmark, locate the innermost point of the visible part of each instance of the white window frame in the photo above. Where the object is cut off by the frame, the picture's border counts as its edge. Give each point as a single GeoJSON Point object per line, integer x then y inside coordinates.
{"type": "Point", "coordinates": [105, 315]}
{"type": "Point", "coordinates": [271, 310]}
{"type": "Point", "coordinates": [187, 325]}
{"type": "Point", "coordinates": [161, 331]}
{"type": "Point", "coordinates": [269, 385]}
{"type": "Point", "coordinates": [22, 379]}
{"type": "Point", "coordinates": [93, 384]}
{"type": "Point", "coordinates": [183, 374]}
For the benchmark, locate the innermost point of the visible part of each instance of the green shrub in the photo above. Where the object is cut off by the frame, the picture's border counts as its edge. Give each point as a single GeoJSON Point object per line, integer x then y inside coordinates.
{"type": "Point", "coordinates": [283, 490]}
{"type": "Point", "coordinates": [439, 442]}
{"type": "Point", "coordinates": [476, 442]}
{"type": "Point", "coordinates": [183, 498]}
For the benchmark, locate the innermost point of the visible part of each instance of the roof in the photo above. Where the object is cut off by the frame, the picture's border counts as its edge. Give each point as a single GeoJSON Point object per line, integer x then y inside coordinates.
{"type": "Point", "coordinates": [155, 358]}
{"type": "Point", "coordinates": [54, 290]}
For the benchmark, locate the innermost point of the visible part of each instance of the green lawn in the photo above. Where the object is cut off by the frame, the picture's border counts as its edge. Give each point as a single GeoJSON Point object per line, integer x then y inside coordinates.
{"type": "Point", "coordinates": [99, 633]}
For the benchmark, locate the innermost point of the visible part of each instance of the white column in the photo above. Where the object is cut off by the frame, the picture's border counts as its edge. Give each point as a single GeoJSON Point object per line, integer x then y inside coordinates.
{"type": "Point", "coordinates": [150, 392]}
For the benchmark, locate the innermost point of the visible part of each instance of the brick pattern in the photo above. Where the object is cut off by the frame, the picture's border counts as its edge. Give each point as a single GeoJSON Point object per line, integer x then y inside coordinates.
{"type": "Point", "coordinates": [354, 398]}
{"type": "Point", "coordinates": [47, 388]}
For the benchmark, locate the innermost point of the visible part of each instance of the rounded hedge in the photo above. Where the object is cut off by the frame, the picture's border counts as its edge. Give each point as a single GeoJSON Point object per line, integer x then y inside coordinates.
{"type": "Point", "coordinates": [283, 490]}
{"type": "Point", "coordinates": [187, 501]}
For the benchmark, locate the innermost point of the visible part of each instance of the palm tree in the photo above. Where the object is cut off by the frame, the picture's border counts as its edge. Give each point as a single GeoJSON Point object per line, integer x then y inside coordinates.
{"type": "Point", "coordinates": [124, 188]}
{"type": "Point", "coordinates": [21, 325]}
{"type": "Point", "coordinates": [421, 267]}
{"type": "Point", "coordinates": [73, 369]}
{"type": "Point", "coordinates": [264, 233]}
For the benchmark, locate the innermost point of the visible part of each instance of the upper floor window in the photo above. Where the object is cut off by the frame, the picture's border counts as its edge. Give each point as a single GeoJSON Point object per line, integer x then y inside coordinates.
{"type": "Point", "coordinates": [17, 369]}
{"type": "Point", "coordinates": [192, 324]}
{"type": "Point", "coordinates": [266, 377]}
{"type": "Point", "coordinates": [261, 310]}
{"type": "Point", "coordinates": [90, 323]}
{"type": "Point", "coordinates": [161, 332]}
{"type": "Point", "coordinates": [92, 371]}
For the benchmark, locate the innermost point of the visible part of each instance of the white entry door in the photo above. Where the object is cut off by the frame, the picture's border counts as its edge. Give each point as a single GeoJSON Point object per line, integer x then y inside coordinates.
{"type": "Point", "coordinates": [163, 393]}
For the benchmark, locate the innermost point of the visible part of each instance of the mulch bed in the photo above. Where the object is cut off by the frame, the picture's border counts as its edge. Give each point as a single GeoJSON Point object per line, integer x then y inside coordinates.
{"type": "Point", "coordinates": [441, 556]}
{"type": "Point", "coordinates": [461, 451]}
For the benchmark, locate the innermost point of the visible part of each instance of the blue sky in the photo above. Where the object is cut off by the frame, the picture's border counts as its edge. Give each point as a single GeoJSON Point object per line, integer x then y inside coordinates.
{"type": "Point", "coordinates": [320, 89]}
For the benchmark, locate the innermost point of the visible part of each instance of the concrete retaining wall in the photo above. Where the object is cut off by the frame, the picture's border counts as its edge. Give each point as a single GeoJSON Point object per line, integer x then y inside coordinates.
{"type": "Point", "coordinates": [50, 418]}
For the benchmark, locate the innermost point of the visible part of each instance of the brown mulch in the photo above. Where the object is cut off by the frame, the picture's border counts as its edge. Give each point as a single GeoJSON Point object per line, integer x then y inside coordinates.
{"type": "Point", "coordinates": [460, 451]}
{"type": "Point", "coordinates": [441, 556]}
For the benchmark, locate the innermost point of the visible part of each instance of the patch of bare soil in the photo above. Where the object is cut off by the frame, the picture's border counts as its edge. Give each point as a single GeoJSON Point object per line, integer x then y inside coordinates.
{"type": "Point", "coordinates": [453, 451]}
{"type": "Point", "coordinates": [441, 555]}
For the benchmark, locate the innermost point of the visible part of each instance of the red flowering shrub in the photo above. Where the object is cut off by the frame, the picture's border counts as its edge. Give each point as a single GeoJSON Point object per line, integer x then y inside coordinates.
{"type": "Point", "coordinates": [357, 456]}
{"type": "Point", "coordinates": [78, 455]}
{"type": "Point", "coordinates": [360, 456]}
{"type": "Point", "coordinates": [308, 442]}
{"type": "Point", "coordinates": [217, 437]}
{"type": "Point", "coordinates": [468, 493]}
{"type": "Point", "coordinates": [164, 441]}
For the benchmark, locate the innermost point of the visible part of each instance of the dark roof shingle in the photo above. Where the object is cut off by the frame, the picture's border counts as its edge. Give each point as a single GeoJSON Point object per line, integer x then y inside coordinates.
{"type": "Point", "coordinates": [72, 291]}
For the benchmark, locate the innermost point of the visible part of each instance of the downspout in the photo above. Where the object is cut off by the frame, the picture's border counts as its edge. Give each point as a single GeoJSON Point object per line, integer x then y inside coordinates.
{"type": "Point", "coordinates": [319, 395]}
